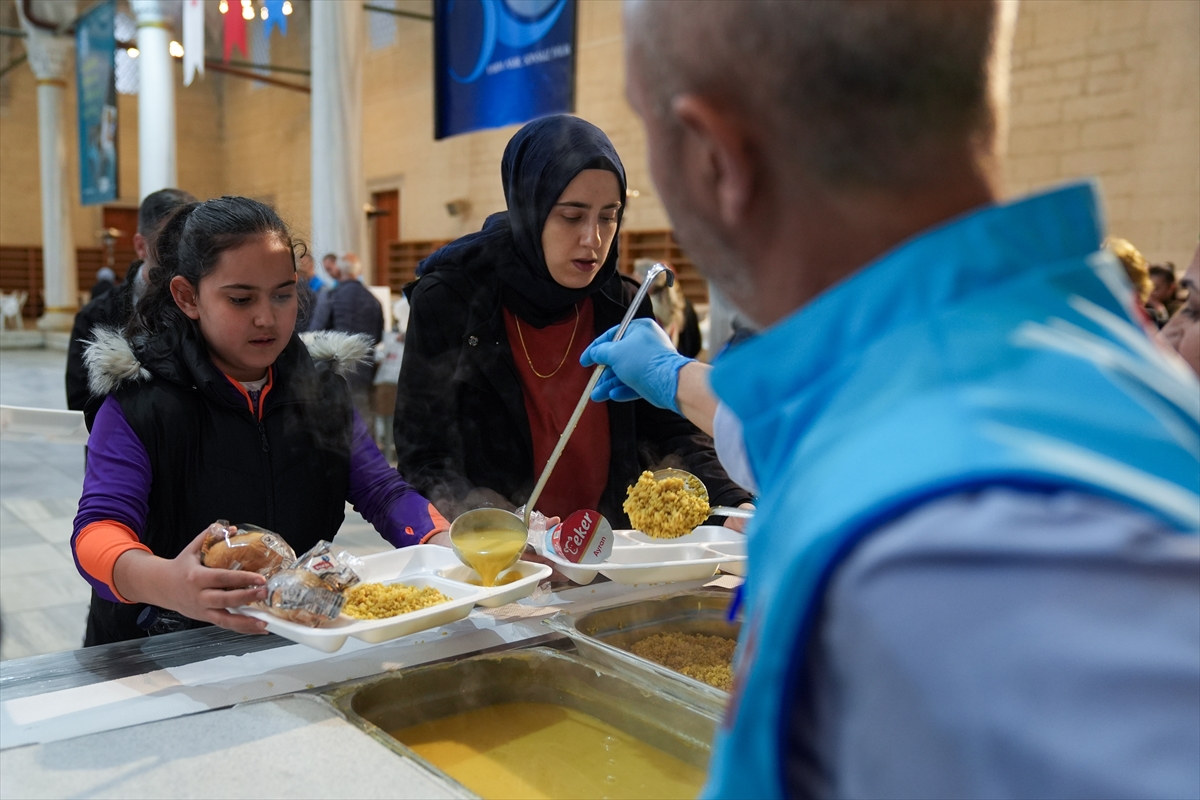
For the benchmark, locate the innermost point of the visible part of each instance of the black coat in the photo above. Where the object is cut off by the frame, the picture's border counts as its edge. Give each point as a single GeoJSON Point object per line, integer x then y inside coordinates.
{"type": "Point", "coordinates": [111, 310]}
{"type": "Point", "coordinates": [211, 458]}
{"type": "Point", "coordinates": [460, 418]}
{"type": "Point", "coordinates": [351, 308]}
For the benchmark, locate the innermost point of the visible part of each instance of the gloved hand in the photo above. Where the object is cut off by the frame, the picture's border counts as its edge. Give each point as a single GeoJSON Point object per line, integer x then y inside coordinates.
{"type": "Point", "coordinates": [643, 364]}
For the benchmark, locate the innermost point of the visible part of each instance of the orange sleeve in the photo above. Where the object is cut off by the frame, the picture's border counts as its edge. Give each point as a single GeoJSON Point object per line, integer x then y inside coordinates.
{"type": "Point", "coordinates": [439, 524]}
{"type": "Point", "coordinates": [99, 545]}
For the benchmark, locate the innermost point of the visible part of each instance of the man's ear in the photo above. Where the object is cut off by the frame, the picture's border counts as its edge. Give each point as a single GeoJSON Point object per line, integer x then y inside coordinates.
{"type": "Point", "coordinates": [185, 296]}
{"type": "Point", "coordinates": [720, 149]}
{"type": "Point", "coordinates": [140, 246]}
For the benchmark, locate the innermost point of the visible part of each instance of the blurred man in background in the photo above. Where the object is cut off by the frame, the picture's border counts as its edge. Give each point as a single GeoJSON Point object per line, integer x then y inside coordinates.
{"type": "Point", "coordinates": [350, 307]}
{"type": "Point", "coordinates": [112, 309]}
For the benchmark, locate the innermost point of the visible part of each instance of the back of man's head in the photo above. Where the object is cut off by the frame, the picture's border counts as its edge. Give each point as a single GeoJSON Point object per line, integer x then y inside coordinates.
{"type": "Point", "coordinates": [351, 266]}
{"type": "Point", "coordinates": [852, 93]}
{"type": "Point", "coordinates": [157, 206]}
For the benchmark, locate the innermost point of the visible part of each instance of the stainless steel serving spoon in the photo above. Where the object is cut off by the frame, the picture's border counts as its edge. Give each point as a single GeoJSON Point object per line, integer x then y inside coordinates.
{"type": "Point", "coordinates": [694, 486]}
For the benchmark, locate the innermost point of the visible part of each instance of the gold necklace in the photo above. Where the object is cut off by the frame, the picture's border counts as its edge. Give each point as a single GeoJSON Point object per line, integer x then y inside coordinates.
{"type": "Point", "coordinates": [570, 344]}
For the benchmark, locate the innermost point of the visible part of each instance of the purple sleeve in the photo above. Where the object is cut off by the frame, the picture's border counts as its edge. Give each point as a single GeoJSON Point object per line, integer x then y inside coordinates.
{"type": "Point", "coordinates": [116, 481]}
{"type": "Point", "coordinates": [398, 511]}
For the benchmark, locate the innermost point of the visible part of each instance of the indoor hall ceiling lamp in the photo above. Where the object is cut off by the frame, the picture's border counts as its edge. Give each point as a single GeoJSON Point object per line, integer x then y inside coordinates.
{"type": "Point", "coordinates": [175, 49]}
{"type": "Point", "coordinates": [247, 9]}
{"type": "Point", "coordinates": [223, 6]}
{"type": "Point", "coordinates": [287, 7]}
{"type": "Point", "coordinates": [132, 52]}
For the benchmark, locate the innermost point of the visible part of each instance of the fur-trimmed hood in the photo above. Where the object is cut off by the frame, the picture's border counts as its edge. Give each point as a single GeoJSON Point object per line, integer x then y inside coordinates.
{"type": "Point", "coordinates": [110, 359]}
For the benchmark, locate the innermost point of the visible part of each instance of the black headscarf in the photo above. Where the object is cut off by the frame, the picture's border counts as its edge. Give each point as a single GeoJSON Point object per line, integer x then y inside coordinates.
{"type": "Point", "coordinates": [539, 161]}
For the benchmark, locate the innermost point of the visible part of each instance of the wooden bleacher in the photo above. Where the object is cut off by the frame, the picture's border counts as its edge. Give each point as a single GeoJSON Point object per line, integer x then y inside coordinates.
{"type": "Point", "coordinates": [21, 270]}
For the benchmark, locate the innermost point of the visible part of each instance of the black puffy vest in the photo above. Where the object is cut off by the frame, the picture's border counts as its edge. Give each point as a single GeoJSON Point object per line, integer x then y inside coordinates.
{"type": "Point", "coordinates": [212, 459]}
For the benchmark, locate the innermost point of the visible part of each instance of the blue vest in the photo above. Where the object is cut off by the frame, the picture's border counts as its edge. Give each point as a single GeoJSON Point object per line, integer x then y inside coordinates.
{"type": "Point", "coordinates": [997, 350]}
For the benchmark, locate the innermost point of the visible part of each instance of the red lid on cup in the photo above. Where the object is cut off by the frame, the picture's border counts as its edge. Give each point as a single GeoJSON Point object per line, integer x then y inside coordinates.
{"type": "Point", "coordinates": [584, 537]}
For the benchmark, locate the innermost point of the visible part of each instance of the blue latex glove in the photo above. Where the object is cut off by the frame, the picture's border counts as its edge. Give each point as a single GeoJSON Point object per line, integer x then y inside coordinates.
{"type": "Point", "coordinates": [643, 364]}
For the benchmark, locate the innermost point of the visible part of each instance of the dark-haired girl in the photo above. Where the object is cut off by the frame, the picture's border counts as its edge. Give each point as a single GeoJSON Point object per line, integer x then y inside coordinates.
{"type": "Point", "coordinates": [491, 368]}
{"type": "Point", "coordinates": [215, 409]}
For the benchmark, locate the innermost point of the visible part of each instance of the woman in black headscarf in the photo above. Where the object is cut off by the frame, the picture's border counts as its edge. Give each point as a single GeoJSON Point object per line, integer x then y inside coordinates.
{"type": "Point", "coordinates": [499, 319]}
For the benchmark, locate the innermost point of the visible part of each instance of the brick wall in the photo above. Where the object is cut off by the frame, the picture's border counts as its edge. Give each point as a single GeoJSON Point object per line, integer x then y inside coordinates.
{"type": "Point", "coordinates": [1112, 90]}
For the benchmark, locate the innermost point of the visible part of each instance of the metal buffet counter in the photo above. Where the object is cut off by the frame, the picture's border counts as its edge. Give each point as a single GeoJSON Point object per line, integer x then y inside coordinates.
{"type": "Point", "coordinates": [210, 713]}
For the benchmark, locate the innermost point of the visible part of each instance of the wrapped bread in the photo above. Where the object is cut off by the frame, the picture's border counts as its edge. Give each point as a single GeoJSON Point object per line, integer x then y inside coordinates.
{"type": "Point", "coordinates": [338, 570]}
{"type": "Point", "coordinates": [249, 549]}
{"type": "Point", "coordinates": [300, 596]}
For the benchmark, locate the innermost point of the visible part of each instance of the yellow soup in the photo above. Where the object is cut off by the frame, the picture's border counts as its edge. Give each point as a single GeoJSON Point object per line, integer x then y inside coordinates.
{"type": "Point", "coordinates": [490, 551]}
{"type": "Point", "coordinates": [541, 750]}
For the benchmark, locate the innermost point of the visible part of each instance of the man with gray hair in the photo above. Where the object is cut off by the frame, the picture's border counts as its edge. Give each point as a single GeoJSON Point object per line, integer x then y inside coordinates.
{"type": "Point", "coordinates": [351, 308]}
{"type": "Point", "coordinates": [974, 567]}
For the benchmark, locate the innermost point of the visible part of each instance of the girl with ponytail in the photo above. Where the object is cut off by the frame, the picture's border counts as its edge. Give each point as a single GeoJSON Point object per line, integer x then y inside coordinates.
{"type": "Point", "coordinates": [215, 409]}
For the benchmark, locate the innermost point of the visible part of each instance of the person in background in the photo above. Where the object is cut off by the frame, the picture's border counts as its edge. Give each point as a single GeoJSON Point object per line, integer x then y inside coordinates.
{"type": "Point", "coordinates": [106, 281]}
{"type": "Point", "coordinates": [351, 308]}
{"type": "Point", "coordinates": [113, 309]}
{"type": "Point", "coordinates": [1165, 297]}
{"type": "Point", "coordinates": [215, 409]}
{"type": "Point", "coordinates": [329, 262]}
{"type": "Point", "coordinates": [306, 297]}
{"type": "Point", "coordinates": [1136, 267]}
{"type": "Point", "coordinates": [1182, 331]}
{"type": "Point", "coordinates": [498, 321]}
{"type": "Point", "coordinates": [673, 311]}
{"type": "Point", "coordinates": [973, 571]}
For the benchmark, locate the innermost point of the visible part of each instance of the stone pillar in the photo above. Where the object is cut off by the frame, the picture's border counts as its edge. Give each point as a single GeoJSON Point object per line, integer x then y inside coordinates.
{"type": "Point", "coordinates": [49, 57]}
{"type": "Point", "coordinates": [339, 222]}
{"type": "Point", "coordinates": [156, 98]}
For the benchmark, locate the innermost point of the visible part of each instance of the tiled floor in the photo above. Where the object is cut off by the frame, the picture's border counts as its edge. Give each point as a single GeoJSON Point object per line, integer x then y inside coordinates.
{"type": "Point", "coordinates": [43, 599]}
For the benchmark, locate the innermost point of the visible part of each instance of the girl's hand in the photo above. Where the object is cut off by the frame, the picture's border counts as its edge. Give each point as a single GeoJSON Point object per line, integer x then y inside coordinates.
{"type": "Point", "coordinates": [185, 585]}
{"type": "Point", "coordinates": [738, 525]}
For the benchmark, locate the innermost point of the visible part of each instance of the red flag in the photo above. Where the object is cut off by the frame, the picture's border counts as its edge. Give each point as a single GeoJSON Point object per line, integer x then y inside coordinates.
{"type": "Point", "coordinates": [235, 31]}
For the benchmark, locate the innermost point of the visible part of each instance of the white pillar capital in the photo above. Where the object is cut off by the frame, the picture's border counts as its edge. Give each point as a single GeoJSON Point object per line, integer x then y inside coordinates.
{"type": "Point", "coordinates": [49, 54]}
{"type": "Point", "coordinates": [148, 12]}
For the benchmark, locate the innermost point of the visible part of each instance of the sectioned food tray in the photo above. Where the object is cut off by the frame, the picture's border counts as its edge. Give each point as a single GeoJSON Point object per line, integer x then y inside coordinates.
{"type": "Point", "coordinates": [634, 562]}
{"type": "Point", "coordinates": [420, 565]}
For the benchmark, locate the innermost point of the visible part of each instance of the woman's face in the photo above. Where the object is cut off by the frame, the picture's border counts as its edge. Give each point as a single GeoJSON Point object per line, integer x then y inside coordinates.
{"type": "Point", "coordinates": [581, 227]}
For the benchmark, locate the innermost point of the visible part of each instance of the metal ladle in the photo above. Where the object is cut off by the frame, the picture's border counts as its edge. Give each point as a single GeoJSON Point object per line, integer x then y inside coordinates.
{"type": "Point", "coordinates": [694, 486]}
{"type": "Point", "coordinates": [651, 276]}
{"type": "Point", "coordinates": [483, 518]}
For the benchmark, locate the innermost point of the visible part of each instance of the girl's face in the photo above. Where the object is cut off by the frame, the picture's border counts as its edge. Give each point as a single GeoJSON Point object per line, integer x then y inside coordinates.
{"type": "Point", "coordinates": [581, 227]}
{"type": "Point", "coordinates": [246, 306]}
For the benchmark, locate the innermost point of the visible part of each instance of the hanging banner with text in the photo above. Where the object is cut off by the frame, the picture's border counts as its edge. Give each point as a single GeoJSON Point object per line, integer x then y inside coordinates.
{"type": "Point", "coordinates": [95, 49]}
{"type": "Point", "coordinates": [501, 62]}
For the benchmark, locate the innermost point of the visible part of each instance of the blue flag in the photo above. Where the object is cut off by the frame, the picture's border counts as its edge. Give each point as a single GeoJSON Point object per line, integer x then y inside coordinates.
{"type": "Point", "coordinates": [275, 17]}
{"type": "Point", "coordinates": [501, 62]}
{"type": "Point", "coordinates": [95, 48]}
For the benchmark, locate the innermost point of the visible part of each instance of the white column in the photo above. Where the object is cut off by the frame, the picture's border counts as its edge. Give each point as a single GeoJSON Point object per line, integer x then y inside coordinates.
{"type": "Point", "coordinates": [156, 98]}
{"type": "Point", "coordinates": [49, 57]}
{"type": "Point", "coordinates": [339, 223]}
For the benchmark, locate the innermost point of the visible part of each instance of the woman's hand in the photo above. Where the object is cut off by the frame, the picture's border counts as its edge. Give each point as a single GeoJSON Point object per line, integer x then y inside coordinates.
{"type": "Point", "coordinates": [736, 524]}
{"type": "Point", "coordinates": [185, 585]}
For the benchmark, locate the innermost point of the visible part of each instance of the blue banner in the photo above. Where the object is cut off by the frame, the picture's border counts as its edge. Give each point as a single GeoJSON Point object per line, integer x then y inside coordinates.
{"type": "Point", "coordinates": [95, 52]}
{"type": "Point", "coordinates": [501, 62]}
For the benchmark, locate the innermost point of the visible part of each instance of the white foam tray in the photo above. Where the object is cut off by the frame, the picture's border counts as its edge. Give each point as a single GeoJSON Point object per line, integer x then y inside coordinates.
{"type": "Point", "coordinates": [637, 558]}
{"type": "Point", "coordinates": [420, 565]}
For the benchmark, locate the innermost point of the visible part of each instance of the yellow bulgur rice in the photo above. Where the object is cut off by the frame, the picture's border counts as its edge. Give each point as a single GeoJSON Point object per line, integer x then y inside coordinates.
{"type": "Point", "coordinates": [705, 658]}
{"type": "Point", "coordinates": [664, 509]}
{"type": "Point", "coordinates": [380, 601]}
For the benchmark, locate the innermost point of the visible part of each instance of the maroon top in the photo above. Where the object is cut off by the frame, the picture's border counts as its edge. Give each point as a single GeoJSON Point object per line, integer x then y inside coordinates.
{"type": "Point", "coordinates": [582, 471]}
